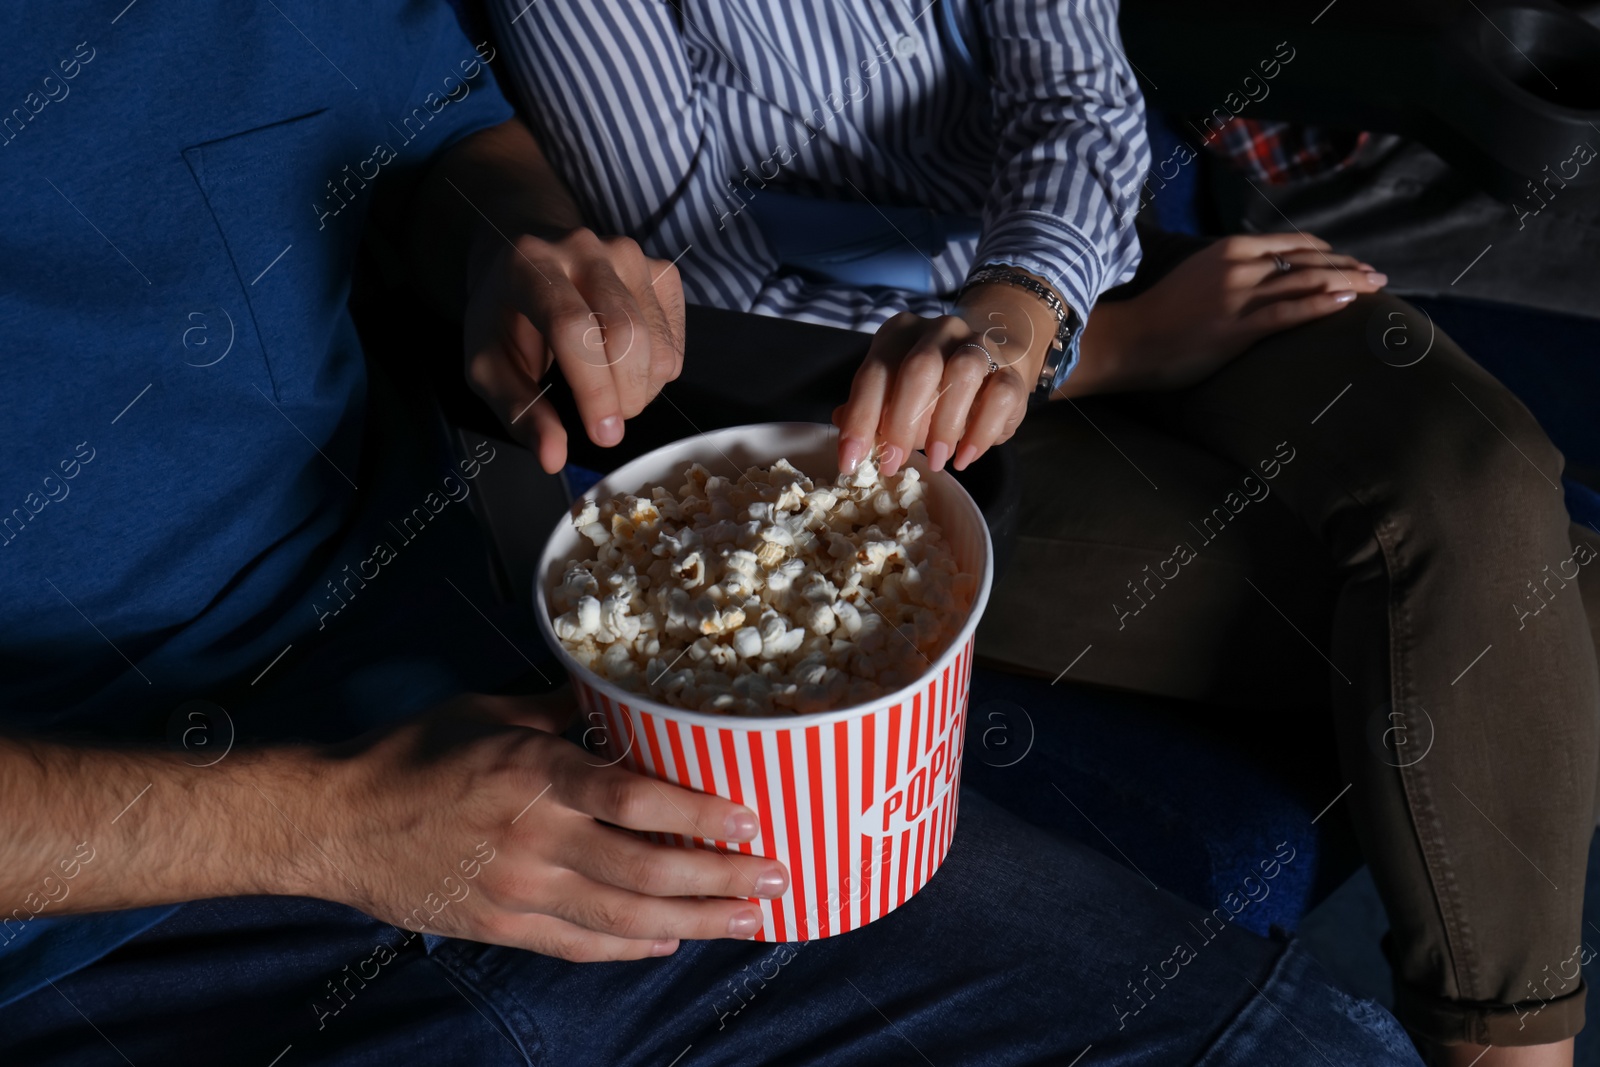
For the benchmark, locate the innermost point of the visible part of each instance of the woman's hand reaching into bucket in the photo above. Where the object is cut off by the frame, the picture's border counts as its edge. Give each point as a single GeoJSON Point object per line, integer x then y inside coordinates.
{"type": "Point", "coordinates": [954, 386]}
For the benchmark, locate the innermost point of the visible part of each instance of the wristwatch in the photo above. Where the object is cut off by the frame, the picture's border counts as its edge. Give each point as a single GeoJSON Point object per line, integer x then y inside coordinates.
{"type": "Point", "coordinates": [1062, 354]}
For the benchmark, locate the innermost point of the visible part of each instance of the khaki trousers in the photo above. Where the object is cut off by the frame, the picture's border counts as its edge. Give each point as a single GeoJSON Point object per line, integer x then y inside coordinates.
{"type": "Point", "coordinates": [1330, 522]}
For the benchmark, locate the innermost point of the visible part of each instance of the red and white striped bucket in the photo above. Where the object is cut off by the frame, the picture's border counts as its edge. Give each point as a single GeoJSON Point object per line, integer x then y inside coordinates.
{"type": "Point", "coordinates": [859, 802]}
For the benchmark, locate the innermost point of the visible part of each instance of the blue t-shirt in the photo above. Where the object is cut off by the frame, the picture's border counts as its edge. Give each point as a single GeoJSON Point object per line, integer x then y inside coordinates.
{"type": "Point", "coordinates": [182, 392]}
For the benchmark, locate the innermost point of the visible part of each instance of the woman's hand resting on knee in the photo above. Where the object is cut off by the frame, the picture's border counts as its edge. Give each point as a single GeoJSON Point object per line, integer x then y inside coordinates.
{"type": "Point", "coordinates": [1211, 307]}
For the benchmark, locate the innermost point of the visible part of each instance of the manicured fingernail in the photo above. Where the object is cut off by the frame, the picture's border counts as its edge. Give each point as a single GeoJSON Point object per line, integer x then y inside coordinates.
{"type": "Point", "coordinates": [938, 452]}
{"type": "Point", "coordinates": [663, 948]}
{"type": "Point", "coordinates": [771, 884]}
{"type": "Point", "coordinates": [744, 924]}
{"type": "Point", "coordinates": [889, 460]}
{"type": "Point", "coordinates": [967, 454]}
{"type": "Point", "coordinates": [1344, 297]}
{"type": "Point", "coordinates": [608, 431]}
{"type": "Point", "coordinates": [852, 450]}
{"type": "Point", "coordinates": [1366, 266]}
{"type": "Point", "coordinates": [740, 826]}
{"type": "Point", "coordinates": [1375, 278]}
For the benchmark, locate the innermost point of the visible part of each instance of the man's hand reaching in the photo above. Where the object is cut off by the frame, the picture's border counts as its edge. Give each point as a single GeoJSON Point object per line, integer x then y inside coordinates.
{"type": "Point", "coordinates": [495, 239]}
{"type": "Point", "coordinates": [607, 315]}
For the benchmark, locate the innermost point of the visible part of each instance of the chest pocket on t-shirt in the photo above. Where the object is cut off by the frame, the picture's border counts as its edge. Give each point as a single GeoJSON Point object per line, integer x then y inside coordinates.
{"type": "Point", "coordinates": [268, 189]}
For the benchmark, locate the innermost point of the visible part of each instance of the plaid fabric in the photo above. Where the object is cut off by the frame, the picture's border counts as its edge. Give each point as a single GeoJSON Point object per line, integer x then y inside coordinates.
{"type": "Point", "coordinates": [1278, 153]}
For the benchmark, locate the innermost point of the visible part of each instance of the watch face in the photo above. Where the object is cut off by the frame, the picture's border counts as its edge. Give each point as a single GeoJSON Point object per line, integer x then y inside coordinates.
{"type": "Point", "coordinates": [1058, 360]}
{"type": "Point", "coordinates": [1054, 360]}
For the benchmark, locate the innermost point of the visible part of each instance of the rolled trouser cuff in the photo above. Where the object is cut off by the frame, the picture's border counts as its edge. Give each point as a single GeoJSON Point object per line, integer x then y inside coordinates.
{"type": "Point", "coordinates": [1454, 1022]}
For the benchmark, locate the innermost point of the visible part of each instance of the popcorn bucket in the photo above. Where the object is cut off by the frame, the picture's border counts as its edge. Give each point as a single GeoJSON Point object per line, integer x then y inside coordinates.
{"type": "Point", "coordinates": [858, 802]}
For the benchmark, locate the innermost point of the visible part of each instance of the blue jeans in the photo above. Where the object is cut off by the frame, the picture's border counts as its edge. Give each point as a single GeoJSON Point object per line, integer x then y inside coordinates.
{"type": "Point", "coordinates": [1024, 949]}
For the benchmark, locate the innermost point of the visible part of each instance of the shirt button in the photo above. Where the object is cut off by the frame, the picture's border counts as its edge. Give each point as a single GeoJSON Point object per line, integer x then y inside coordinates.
{"type": "Point", "coordinates": [906, 47]}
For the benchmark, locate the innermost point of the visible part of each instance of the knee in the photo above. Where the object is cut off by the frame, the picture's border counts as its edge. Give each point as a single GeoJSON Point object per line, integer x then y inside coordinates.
{"type": "Point", "coordinates": [1494, 467]}
{"type": "Point", "coordinates": [1473, 459]}
{"type": "Point", "coordinates": [1344, 1029]}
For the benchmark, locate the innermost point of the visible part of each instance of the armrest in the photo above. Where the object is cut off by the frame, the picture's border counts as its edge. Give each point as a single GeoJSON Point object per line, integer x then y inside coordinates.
{"type": "Point", "coordinates": [1502, 89]}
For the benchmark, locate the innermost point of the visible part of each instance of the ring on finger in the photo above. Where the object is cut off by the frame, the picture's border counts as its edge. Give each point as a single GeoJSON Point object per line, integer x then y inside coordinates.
{"type": "Point", "coordinates": [987, 355]}
{"type": "Point", "coordinates": [1283, 265]}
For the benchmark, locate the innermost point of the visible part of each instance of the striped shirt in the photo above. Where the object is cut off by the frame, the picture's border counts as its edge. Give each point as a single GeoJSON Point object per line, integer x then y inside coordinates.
{"type": "Point", "coordinates": [667, 119]}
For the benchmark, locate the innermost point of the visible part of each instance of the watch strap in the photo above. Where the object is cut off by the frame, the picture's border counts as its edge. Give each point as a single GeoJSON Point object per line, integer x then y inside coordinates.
{"type": "Point", "coordinates": [1062, 354]}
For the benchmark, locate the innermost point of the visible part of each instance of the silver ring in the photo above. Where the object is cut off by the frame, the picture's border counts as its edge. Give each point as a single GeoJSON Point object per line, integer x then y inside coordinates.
{"type": "Point", "coordinates": [1283, 265]}
{"type": "Point", "coordinates": [993, 366]}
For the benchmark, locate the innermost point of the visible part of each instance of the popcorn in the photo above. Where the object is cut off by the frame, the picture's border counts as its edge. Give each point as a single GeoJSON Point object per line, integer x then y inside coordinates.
{"type": "Point", "coordinates": [747, 642]}
{"type": "Point", "coordinates": [819, 618]}
{"type": "Point", "coordinates": [583, 621]}
{"type": "Point", "coordinates": [765, 594]}
{"type": "Point", "coordinates": [615, 622]}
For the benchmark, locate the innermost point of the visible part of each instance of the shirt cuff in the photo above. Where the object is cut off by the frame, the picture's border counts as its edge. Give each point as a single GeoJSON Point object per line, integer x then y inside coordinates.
{"type": "Point", "coordinates": [1042, 244]}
